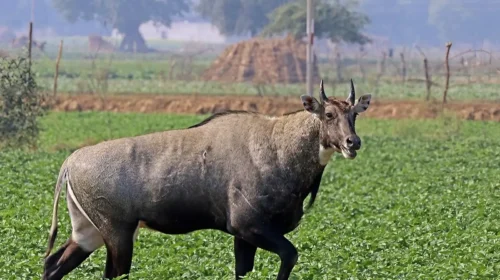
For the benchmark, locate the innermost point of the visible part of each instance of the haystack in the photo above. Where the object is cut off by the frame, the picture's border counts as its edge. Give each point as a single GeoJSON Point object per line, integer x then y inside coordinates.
{"type": "Point", "coordinates": [261, 60]}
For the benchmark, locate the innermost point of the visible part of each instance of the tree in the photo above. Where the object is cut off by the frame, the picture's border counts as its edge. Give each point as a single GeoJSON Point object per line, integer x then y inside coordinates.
{"type": "Point", "coordinates": [332, 20]}
{"type": "Point", "coordinates": [433, 21]}
{"type": "Point", "coordinates": [465, 21]}
{"type": "Point", "coordinates": [403, 21]}
{"type": "Point", "coordinates": [238, 17]}
{"type": "Point", "coordinates": [124, 15]}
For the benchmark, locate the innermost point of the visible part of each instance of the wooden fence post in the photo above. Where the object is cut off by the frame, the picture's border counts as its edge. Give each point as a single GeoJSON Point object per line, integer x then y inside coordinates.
{"type": "Point", "coordinates": [447, 62]}
{"type": "Point", "coordinates": [56, 75]}
{"type": "Point", "coordinates": [427, 79]}
{"type": "Point", "coordinates": [403, 66]}
{"type": "Point", "coordinates": [30, 42]}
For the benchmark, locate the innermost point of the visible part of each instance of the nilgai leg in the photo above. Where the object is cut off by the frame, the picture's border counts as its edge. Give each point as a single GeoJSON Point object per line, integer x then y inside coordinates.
{"type": "Point", "coordinates": [271, 241]}
{"type": "Point", "coordinates": [67, 258]}
{"type": "Point", "coordinates": [119, 249]}
{"type": "Point", "coordinates": [84, 240]}
{"type": "Point", "coordinates": [244, 254]}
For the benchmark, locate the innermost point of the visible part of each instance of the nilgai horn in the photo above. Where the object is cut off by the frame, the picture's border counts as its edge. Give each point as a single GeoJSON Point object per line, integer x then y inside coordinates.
{"type": "Point", "coordinates": [242, 173]}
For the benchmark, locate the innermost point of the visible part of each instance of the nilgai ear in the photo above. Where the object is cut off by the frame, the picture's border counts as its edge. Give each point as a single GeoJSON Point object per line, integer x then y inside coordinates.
{"type": "Point", "coordinates": [363, 103]}
{"type": "Point", "coordinates": [311, 104]}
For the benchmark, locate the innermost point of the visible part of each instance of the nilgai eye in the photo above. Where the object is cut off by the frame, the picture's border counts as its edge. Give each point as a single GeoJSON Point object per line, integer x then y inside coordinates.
{"type": "Point", "coordinates": [329, 115]}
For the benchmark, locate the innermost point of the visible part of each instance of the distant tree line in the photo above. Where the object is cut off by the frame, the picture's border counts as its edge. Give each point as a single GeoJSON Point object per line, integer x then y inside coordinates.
{"type": "Point", "coordinates": [403, 21]}
{"type": "Point", "coordinates": [16, 14]}
{"type": "Point", "coordinates": [232, 17]}
{"type": "Point", "coordinates": [433, 21]}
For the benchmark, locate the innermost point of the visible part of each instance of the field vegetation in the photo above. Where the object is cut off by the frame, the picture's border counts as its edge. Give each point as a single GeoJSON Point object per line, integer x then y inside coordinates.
{"type": "Point", "coordinates": [419, 202]}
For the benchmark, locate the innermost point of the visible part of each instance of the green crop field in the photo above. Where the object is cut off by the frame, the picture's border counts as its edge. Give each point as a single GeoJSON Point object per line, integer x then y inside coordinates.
{"type": "Point", "coordinates": [421, 201]}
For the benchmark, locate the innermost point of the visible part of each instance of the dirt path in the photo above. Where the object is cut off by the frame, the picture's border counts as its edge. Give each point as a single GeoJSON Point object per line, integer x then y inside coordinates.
{"type": "Point", "coordinates": [191, 104]}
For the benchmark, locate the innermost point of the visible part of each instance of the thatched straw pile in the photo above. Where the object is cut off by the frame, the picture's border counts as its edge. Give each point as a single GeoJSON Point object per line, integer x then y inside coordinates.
{"type": "Point", "coordinates": [263, 61]}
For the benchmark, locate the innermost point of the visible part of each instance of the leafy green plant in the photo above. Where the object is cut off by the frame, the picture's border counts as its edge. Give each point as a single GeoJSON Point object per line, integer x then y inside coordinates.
{"type": "Point", "coordinates": [20, 103]}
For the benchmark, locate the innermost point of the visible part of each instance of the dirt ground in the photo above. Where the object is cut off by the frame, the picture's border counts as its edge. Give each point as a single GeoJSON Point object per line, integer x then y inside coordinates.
{"type": "Point", "coordinates": [193, 104]}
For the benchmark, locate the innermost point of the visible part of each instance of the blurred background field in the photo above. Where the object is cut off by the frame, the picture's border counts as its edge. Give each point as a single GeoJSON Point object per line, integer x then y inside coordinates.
{"type": "Point", "coordinates": [147, 74]}
{"type": "Point", "coordinates": [179, 71]}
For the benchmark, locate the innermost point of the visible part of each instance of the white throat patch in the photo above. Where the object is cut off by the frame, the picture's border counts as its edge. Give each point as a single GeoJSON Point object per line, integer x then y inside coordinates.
{"type": "Point", "coordinates": [325, 154]}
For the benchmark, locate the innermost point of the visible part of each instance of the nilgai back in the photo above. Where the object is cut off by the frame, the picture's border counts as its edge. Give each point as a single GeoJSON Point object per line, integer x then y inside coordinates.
{"type": "Point", "coordinates": [242, 173]}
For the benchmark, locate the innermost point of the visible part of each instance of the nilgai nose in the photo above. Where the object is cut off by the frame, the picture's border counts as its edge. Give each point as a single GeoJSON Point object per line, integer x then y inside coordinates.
{"type": "Point", "coordinates": [242, 173]}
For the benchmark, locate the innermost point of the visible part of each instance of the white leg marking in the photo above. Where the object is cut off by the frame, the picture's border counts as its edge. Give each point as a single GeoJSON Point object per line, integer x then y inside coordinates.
{"type": "Point", "coordinates": [84, 233]}
{"type": "Point", "coordinates": [325, 154]}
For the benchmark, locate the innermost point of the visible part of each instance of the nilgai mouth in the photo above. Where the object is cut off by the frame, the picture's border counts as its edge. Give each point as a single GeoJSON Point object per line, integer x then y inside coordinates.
{"type": "Point", "coordinates": [348, 153]}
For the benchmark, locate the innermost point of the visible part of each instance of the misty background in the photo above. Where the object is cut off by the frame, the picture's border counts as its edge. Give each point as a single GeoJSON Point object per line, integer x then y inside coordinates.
{"type": "Point", "coordinates": [398, 22]}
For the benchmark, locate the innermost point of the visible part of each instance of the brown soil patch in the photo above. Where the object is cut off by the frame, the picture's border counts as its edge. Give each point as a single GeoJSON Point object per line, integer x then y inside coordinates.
{"type": "Point", "coordinates": [192, 104]}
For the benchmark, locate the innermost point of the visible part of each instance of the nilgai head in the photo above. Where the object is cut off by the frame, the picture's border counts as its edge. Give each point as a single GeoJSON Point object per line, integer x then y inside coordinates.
{"type": "Point", "coordinates": [338, 118]}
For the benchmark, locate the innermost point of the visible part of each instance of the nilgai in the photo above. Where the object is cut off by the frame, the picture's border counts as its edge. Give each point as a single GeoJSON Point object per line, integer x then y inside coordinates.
{"type": "Point", "coordinates": [242, 173]}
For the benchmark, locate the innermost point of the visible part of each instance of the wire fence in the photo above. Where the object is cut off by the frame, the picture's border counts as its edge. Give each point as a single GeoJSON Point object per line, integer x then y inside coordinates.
{"type": "Point", "coordinates": [269, 68]}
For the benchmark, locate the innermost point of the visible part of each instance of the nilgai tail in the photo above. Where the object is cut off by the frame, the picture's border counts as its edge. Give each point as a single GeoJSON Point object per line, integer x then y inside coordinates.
{"type": "Point", "coordinates": [61, 180]}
